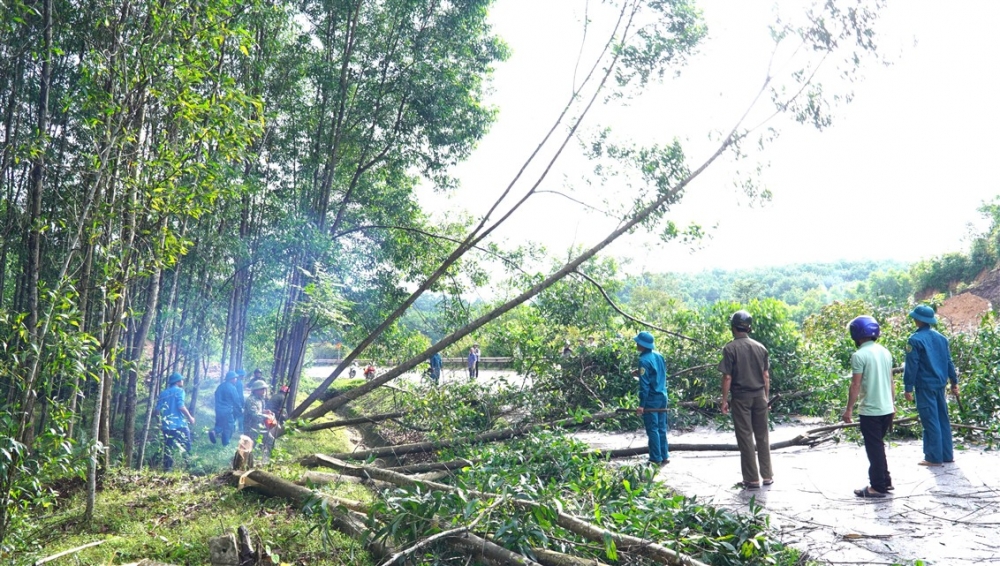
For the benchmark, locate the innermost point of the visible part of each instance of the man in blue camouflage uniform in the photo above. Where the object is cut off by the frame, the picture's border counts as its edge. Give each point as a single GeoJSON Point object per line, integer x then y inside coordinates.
{"type": "Point", "coordinates": [174, 418]}
{"type": "Point", "coordinates": [928, 368]}
{"type": "Point", "coordinates": [652, 374]}
{"type": "Point", "coordinates": [228, 409]}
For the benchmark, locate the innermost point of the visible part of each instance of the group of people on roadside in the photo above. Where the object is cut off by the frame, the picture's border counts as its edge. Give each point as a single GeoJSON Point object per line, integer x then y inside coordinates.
{"type": "Point", "coordinates": [255, 415]}
{"type": "Point", "coordinates": [746, 384]}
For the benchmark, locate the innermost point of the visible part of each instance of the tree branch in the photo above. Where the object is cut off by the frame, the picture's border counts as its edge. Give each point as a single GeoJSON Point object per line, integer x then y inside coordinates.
{"type": "Point", "coordinates": [630, 317]}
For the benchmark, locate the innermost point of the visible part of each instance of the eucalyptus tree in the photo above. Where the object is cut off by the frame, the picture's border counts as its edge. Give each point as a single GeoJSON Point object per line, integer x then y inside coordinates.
{"type": "Point", "coordinates": [391, 93]}
{"type": "Point", "coordinates": [134, 124]}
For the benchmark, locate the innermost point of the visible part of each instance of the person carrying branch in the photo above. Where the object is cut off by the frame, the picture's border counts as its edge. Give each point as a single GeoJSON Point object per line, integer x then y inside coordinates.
{"type": "Point", "coordinates": [652, 374]}
{"type": "Point", "coordinates": [745, 368]}
{"type": "Point", "coordinates": [928, 368]}
{"type": "Point", "coordinates": [871, 384]}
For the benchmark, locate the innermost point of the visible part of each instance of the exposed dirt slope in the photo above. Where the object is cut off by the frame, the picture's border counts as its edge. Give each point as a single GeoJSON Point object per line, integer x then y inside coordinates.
{"type": "Point", "coordinates": [963, 312]}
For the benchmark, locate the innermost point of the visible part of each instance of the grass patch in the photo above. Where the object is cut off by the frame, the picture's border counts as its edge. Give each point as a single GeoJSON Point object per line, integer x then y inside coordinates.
{"type": "Point", "coordinates": [170, 517]}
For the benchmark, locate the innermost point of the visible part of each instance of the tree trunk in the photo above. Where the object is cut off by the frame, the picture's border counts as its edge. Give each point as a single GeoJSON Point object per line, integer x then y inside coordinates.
{"type": "Point", "coordinates": [421, 447]}
{"type": "Point", "coordinates": [355, 421]}
{"type": "Point", "coordinates": [135, 355]}
{"type": "Point", "coordinates": [342, 521]}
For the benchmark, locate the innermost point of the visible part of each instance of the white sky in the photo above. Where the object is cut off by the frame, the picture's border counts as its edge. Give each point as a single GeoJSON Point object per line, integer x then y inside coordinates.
{"type": "Point", "coordinates": [898, 176]}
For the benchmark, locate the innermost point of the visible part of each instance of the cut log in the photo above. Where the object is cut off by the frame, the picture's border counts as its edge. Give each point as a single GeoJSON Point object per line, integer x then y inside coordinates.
{"type": "Point", "coordinates": [433, 467]}
{"type": "Point", "coordinates": [343, 521]}
{"type": "Point", "coordinates": [492, 436]}
{"type": "Point", "coordinates": [480, 548]}
{"type": "Point", "coordinates": [324, 478]}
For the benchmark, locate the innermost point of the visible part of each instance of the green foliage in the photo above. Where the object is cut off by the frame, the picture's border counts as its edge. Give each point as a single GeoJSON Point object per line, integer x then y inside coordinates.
{"type": "Point", "coordinates": [975, 359]}
{"type": "Point", "coordinates": [35, 369]}
{"type": "Point", "coordinates": [555, 472]}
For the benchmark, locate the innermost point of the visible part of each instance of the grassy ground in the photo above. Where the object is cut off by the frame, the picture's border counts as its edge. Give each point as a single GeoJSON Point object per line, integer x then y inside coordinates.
{"type": "Point", "coordinates": [170, 516]}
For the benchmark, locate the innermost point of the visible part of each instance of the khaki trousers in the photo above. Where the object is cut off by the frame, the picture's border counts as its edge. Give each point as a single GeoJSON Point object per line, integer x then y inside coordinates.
{"type": "Point", "coordinates": [750, 420]}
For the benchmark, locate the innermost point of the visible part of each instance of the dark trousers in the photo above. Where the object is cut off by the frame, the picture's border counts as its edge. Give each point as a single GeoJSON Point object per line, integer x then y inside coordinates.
{"type": "Point", "coordinates": [172, 440]}
{"type": "Point", "coordinates": [750, 421]}
{"type": "Point", "coordinates": [874, 429]}
{"type": "Point", "coordinates": [225, 426]}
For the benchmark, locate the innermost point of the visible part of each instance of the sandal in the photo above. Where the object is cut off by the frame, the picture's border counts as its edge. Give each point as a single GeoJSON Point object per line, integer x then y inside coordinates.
{"type": "Point", "coordinates": [750, 485]}
{"type": "Point", "coordinates": [928, 463]}
{"type": "Point", "coordinates": [866, 493]}
{"type": "Point", "coordinates": [768, 481]}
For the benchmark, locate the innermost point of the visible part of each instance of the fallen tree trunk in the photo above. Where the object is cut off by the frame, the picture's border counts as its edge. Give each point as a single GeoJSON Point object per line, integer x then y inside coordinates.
{"type": "Point", "coordinates": [644, 547]}
{"type": "Point", "coordinates": [808, 438]}
{"type": "Point", "coordinates": [355, 421]}
{"type": "Point", "coordinates": [467, 542]}
{"type": "Point", "coordinates": [341, 520]}
{"type": "Point", "coordinates": [492, 436]}
{"type": "Point", "coordinates": [432, 467]}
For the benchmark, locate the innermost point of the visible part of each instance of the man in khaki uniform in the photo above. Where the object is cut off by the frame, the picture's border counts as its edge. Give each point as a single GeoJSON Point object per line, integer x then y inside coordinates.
{"type": "Point", "coordinates": [745, 375]}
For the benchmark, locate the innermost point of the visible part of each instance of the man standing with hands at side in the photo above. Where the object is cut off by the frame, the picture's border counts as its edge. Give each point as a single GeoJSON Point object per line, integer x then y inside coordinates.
{"type": "Point", "coordinates": [928, 368]}
{"type": "Point", "coordinates": [871, 383]}
{"type": "Point", "coordinates": [652, 374]}
{"type": "Point", "coordinates": [745, 368]}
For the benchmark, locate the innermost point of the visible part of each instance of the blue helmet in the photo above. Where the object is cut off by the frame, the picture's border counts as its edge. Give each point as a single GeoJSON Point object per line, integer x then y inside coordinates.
{"type": "Point", "coordinates": [864, 328]}
{"type": "Point", "coordinates": [241, 372]}
{"type": "Point", "coordinates": [174, 378]}
{"type": "Point", "coordinates": [231, 375]}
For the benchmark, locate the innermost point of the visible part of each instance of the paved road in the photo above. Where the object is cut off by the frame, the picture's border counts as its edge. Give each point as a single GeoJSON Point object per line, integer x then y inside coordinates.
{"type": "Point", "coordinates": [945, 516]}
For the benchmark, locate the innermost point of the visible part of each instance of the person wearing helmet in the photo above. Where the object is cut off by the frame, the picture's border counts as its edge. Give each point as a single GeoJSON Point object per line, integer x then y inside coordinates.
{"type": "Point", "coordinates": [255, 413]}
{"type": "Point", "coordinates": [174, 419]}
{"type": "Point", "coordinates": [652, 374]}
{"type": "Point", "coordinates": [228, 409]}
{"type": "Point", "coordinates": [871, 384]}
{"type": "Point", "coordinates": [746, 377]}
{"type": "Point", "coordinates": [928, 368]}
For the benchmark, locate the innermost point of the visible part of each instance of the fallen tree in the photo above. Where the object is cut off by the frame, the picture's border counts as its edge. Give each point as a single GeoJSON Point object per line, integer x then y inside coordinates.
{"type": "Point", "coordinates": [662, 174]}
{"type": "Point", "coordinates": [808, 438]}
{"type": "Point", "coordinates": [353, 421]}
{"type": "Point", "coordinates": [644, 547]}
{"type": "Point", "coordinates": [461, 538]}
{"type": "Point", "coordinates": [431, 446]}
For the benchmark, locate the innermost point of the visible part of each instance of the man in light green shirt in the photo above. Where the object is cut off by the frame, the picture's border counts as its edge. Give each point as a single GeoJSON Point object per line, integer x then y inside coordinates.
{"type": "Point", "coordinates": [871, 382]}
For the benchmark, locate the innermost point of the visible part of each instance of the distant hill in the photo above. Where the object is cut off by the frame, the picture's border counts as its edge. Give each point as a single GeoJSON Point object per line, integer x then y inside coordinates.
{"type": "Point", "coordinates": [794, 284]}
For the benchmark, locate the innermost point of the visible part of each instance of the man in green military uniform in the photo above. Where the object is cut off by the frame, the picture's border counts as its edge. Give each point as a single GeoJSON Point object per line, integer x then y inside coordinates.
{"type": "Point", "coordinates": [255, 413]}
